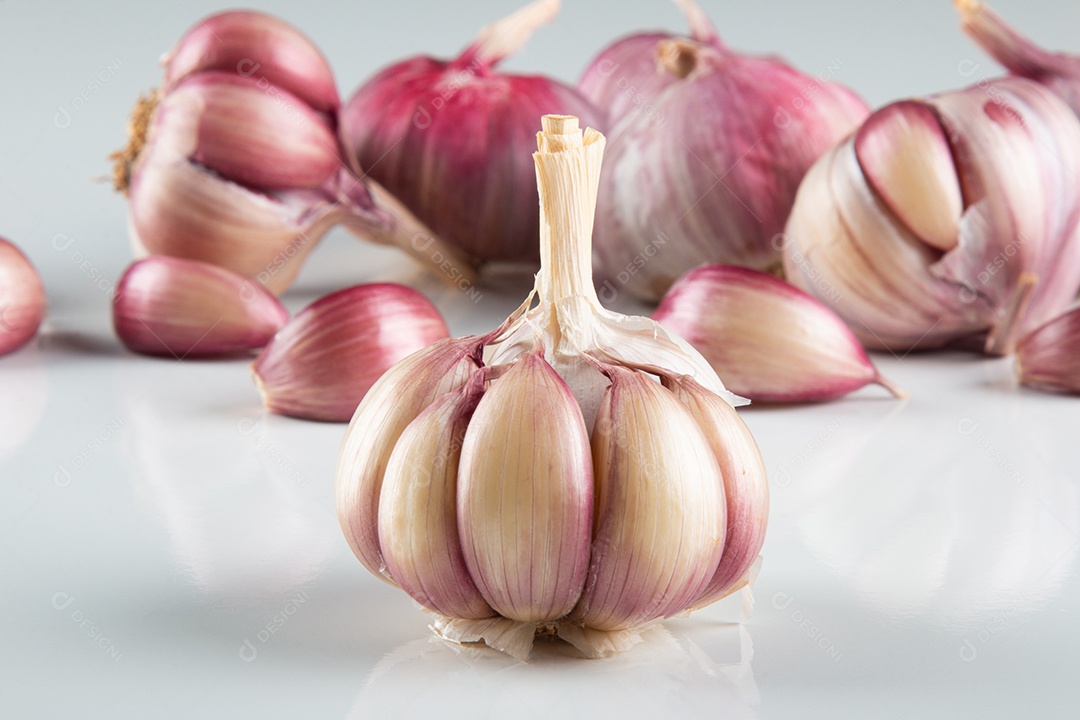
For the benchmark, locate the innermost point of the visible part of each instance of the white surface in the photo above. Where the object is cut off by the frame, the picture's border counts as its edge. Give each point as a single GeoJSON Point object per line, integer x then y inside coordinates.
{"type": "Point", "coordinates": [168, 551]}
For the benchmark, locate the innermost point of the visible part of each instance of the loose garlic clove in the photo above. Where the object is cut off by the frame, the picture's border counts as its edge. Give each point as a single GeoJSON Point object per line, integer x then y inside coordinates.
{"type": "Point", "coordinates": [418, 519]}
{"type": "Point", "coordinates": [746, 491]}
{"type": "Point", "coordinates": [22, 298]}
{"type": "Point", "coordinates": [906, 158]}
{"type": "Point", "coordinates": [525, 494]}
{"type": "Point", "coordinates": [1048, 358]}
{"type": "Point", "coordinates": [770, 341]}
{"type": "Point", "coordinates": [184, 308]}
{"type": "Point", "coordinates": [660, 512]}
{"type": "Point", "coordinates": [322, 363]}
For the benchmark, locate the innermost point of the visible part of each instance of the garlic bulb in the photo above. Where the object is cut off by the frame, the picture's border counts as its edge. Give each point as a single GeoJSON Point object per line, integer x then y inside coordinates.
{"type": "Point", "coordinates": [185, 308]}
{"type": "Point", "coordinates": [574, 472]}
{"type": "Point", "coordinates": [1048, 358]}
{"type": "Point", "coordinates": [945, 219]}
{"type": "Point", "coordinates": [22, 298]}
{"type": "Point", "coordinates": [1058, 71]}
{"type": "Point", "coordinates": [707, 148]}
{"type": "Point", "coordinates": [236, 161]}
{"type": "Point", "coordinates": [321, 364]}
{"type": "Point", "coordinates": [475, 189]}
{"type": "Point", "coordinates": [770, 341]}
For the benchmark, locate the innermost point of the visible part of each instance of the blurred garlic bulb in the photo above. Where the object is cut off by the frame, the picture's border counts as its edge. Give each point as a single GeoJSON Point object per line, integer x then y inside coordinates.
{"type": "Point", "coordinates": [22, 298]}
{"type": "Point", "coordinates": [476, 188]}
{"type": "Point", "coordinates": [1058, 71]}
{"type": "Point", "coordinates": [236, 161]}
{"type": "Point", "coordinates": [574, 472]}
{"type": "Point", "coordinates": [706, 150]}
{"type": "Point", "coordinates": [946, 219]}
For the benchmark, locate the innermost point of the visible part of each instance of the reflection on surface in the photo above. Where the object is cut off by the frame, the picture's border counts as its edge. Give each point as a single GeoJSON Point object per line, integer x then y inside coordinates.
{"type": "Point", "coordinates": [240, 503]}
{"type": "Point", "coordinates": [956, 516]}
{"type": "Point", "coordinates": [683, 669]}
{"type": "Point", "coordinates": [24, 393]}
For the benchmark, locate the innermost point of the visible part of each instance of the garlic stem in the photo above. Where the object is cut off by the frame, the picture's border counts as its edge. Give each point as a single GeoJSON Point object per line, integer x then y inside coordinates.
{"type": "Point", "coordinates": [1007, 46]}
{"type": "Point", "coordinates": [507, 35]}
{"type": "Point", "coordinates": [701, 28]}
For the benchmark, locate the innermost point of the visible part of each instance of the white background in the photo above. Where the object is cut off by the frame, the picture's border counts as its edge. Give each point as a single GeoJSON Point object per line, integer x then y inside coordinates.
{"type": "Point", "coordinates": [168, 551]}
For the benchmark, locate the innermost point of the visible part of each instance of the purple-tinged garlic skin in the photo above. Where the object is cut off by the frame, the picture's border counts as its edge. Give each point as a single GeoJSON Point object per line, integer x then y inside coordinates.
{"type": "Point", "coordinates": [1058, 71]}
{"type": "Point", "coordinates": [322, 363]}
{"type": "Point", "coordinates": [1048, 358]}
{"type": "Point", "coordinates": [22, 298]}
{"type": "Point", "coordinates": [177, 308]}
{"type": "Point", "coordinates": [706, 149]}
{"type": "Point", "coordinates": [882, 260]}
{"type": "Point", "coordinates": [770, 341]}
{"type": "Point", "coordinates": [451, 138]}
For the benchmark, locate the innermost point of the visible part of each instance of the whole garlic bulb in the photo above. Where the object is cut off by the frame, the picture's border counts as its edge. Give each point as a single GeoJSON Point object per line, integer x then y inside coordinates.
{"type": "Point", "coordinates": [236, 160]}
{"type": "Point", "coordinates": [22, 298]}
{"type": "Point", "coordinates": [945, 219]}
{"type": "Point", "coordinates": [706, 150]}
{"type": "Point", "coordinates": [475, 189]}
{"type": "Point", "coordinates": [574, 472]}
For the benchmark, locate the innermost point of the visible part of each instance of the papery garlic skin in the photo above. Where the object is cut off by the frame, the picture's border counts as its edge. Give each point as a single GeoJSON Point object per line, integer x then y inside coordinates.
{"type": "Point", "coordinates": [1015, 153]}
{"type": "Point", "coordinates": [322, 363]}
{"type": "Point", "coordinates": [591, 473]}
{"type": "Point", "coordinates": [1048, 358]}
{"type": "Point", "coordinates": [22, 298]}
{"type": "Point", "coordinates": [707, 147]}
{"type": "Point", "coordinates": [236, 161]}
{"type": "Point", "coordinates": [179, 308]}
{"type": "Point", "coordinates": [475, 188]}
{"type": "Point", "coordinates": [770, 341]}
{"type": "Point", "coordinates": [1058, 71]}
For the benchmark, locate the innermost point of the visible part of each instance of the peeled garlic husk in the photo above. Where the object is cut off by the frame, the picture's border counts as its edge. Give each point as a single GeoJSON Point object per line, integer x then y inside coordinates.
{"type": "Point", "coordinates": [706, 150]}
{"type": "Point", "coordinates": [570, 473]}
{"type": "Point", "coordinates": [770, 341]}
{"type": "Point", "coordinates": [1058, 71]}
{"type": "Point", "coordinates": [321, 364]}
{"type": "Point", "coordinates": [475, 190]}
{"type": "Point", "coordinates": [1048, 358]}
{"type": "Point", "coordinates": [185, 308]}
{"type": "Point", "coordinates": [950, 219]}
{"type": "Point", "coordinates": [236, 160]}
{"type": "Point", "coordinates": [22, 298]}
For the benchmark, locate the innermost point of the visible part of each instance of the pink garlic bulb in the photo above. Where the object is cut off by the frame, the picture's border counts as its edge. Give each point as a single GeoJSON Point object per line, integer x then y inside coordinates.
{"type": "Point", "coordinates": [477, 188]}
{"type": "Point", "coordinates": [236, 160]}
{"type": "Point", "coordinates": [22, 298]}
{"type": "Point", "coordinates": [1058, 71]}
{"type": "Point", "coordinates": [949, 219]}
{"type": "Point", "coordinates": [705, 153]}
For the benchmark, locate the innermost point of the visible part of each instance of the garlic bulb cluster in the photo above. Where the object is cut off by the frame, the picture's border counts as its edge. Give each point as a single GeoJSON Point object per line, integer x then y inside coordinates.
{"type": "Point", "coordinates": [1057, 71]}
{"type": "Point", "coordinates": [574, 472]}
{"type": "Point", "coordinates": [180, 308]}
{"type": "Point", "coordinates": [236, 160]}
{"type": "Point", "coordinates": [947, 219]}
{"type": "Point", "coordinates": [322, 363]}
{"type": "Point", "coordinates": [770, 341]}
{"type": "Point", "coordinates": [22, 298]}
{"type": "Point", "coordinates": [706, 150]}
{"type": "Point", "coordinates": [475, 189]}
{"type": "Point", "coordinates": [1048, 358]}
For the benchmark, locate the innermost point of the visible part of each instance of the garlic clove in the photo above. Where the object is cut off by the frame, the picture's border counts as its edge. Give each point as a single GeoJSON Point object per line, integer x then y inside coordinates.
{"type": "Point", "coordinates": [770, 341]}
{"type": "Point", "coordinates": [1048, 358]}
{"type": "Point", "coordinates": [525, 488]}
{"type": "Point", "coordinates": [906, 157]}
{"type": "Point", "coordinates": [659, 507]}
{"type": "Point", "coordinates": [746, 490]}
{"type": "Point", "coordinates": [418, 533]}
{"type": "Point", "coordinates": [255, 138]}
{"type": "Point", "coordinates": [392, 403]}
{"type": "Point", "coordinates": [253, 45]}
{"type": "Point", "coordinates": [185, 308]}
{"type": "Point", "coordinates": [22, 298]}
{"type": "Point", "coordinates": [322, 363]}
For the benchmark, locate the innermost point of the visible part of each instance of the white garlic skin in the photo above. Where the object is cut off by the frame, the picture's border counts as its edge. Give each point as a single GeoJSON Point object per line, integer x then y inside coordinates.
{"type": "Point", "coordinates": [1014, 153]}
